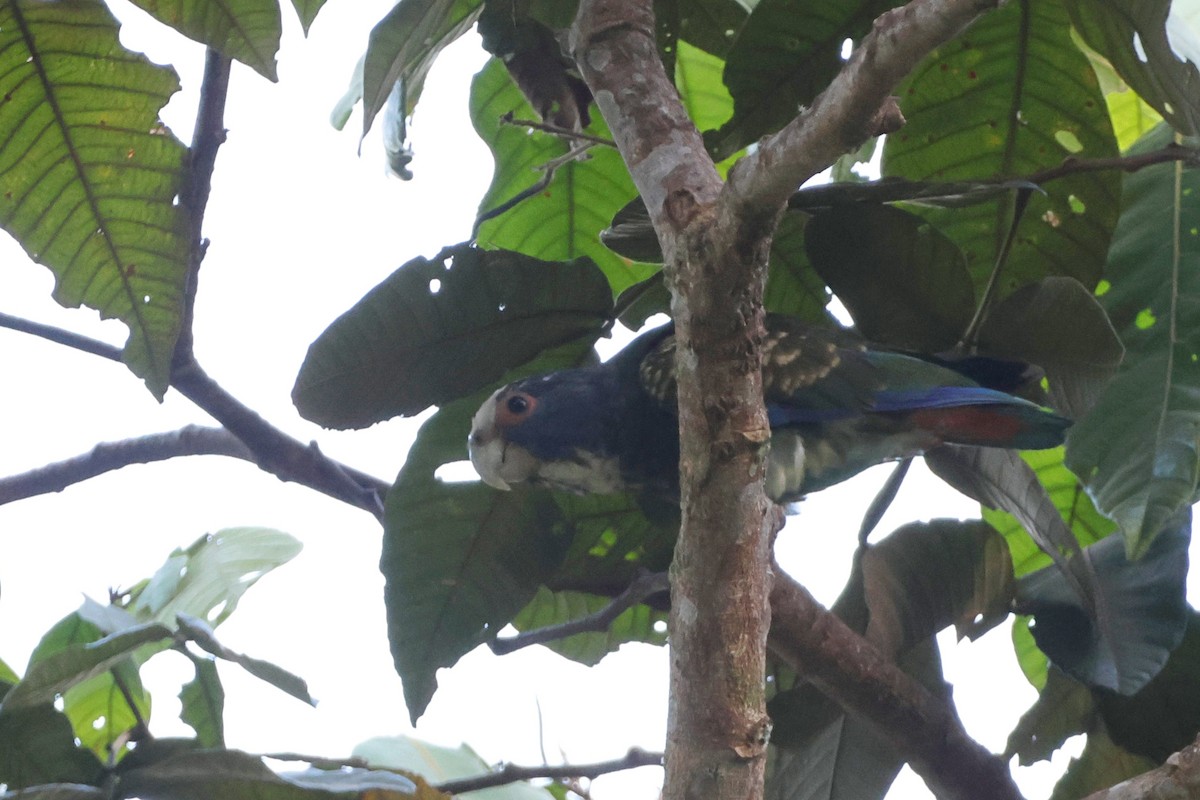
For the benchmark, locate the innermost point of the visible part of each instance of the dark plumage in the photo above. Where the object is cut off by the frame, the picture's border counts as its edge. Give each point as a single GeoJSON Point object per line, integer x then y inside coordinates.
{"type": "Point", "coordinates": [835, 409]}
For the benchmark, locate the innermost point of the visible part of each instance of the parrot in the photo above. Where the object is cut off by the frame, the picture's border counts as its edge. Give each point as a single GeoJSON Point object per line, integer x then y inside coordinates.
{"type": "Point", "coordinates": [835, 407]}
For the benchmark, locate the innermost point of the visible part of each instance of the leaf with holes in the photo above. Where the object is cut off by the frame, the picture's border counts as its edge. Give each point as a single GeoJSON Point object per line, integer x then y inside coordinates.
{"type": "Point", "coordinates": [481, 312]}
{"type": "Point", "coordinates": [1010, 96]}
{"type": "Point", "coordinates": [88, 173]}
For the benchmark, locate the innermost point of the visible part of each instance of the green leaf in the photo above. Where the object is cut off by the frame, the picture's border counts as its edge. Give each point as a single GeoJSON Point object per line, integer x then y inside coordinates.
{"type": "Point", "coordinates": [99, 709]}
{"type": "Point", "coordinates": [208, 578]}
{"type": "Point", "coordinates": [698, 79]}
{"type": "Point", "coordinates": [7, 675]}
{"type": "Point", "coordinates": [246, 30]}
{"type": "Point", "coordinates": [460, 560]}
{"type": "Point", "coordinates": [1141, 611]}
{"type": "Point", "coordinates": [404, 45]}
{"type": "Point", "coordinates": [1132, 35]}
{"type": "Point", "coordinates": [1163, 717]}
{"type": "Point", "coordinates": [639, 623]}
{"type": "Point", "coordinates": [787, 52]}
{"type": "Point", "coordinates": [484, 312]}
{"type": "Point", "coordinates": [307, 10]}
{"type": "Point", "coordinates": [563, 221]}
{"type": "Point", "coordinates": [439, 764]}
{"type": "Point", "coordinates": [793, 286]}
{"type": "Point", "coordinates": [1010, 96]}
{"type": "Point", "coordinates": [204, 774]}
{"type": "Point", "coordinates": [1137, 451]}
{"type": "Point", "coordinates": [53, 674]}
{"type": "Point", "coordinates": [198, 631]}
{"type": "Point", "coordinates": [88, 173]}
{"type": "Point", "coordinates": [203, 703]}
{"type": "Point", "coordinates": [904, 283]}
{"type": "Point", "coordinates": [37, 746]}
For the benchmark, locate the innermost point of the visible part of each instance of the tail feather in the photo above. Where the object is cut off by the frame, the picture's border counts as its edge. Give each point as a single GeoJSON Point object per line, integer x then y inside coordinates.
{"type": "Point", "coordinates": [1018, 425]}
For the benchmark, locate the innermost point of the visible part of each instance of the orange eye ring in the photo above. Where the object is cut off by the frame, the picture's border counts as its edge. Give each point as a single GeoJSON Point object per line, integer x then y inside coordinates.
{"type": "Point", "coordinates": [513, 408]}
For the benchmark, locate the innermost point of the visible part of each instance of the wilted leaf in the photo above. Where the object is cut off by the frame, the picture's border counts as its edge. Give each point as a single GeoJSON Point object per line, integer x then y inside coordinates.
{"type": "Point", "coordinates": [435, 330]}
{"type": "Point", "coordinates": [405, 44]}
{"type": "Point", "coordinates": [208, 578]}
{"type": "Point", "coordinates": [88, 173]}
{"type": "Point", "coordinates": [1064, 708]}
{"type": "Point", "coordinates": [927, 576]}
{"type": "Point", "coordinates": [903, 282]}
{"type": "Point", "coordinates": [246, 30]}
{"type": "Point", "coordinates": [1102, 764]}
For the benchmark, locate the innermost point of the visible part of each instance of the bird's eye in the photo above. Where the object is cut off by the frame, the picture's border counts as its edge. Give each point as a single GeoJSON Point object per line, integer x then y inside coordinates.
{"type": "Point", "coordinates": [518, 404]}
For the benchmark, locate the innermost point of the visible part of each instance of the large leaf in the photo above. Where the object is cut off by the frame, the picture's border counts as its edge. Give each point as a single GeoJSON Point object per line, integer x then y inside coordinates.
{"type": "Point", "coordinates": [904, 283]}
{"type": "Point", "coordinates": [1138, 449]}
{"type": "Point", "coordinates": [1010, 96]}
{"type": "Point", "coordinates": [785, 54]}
{"type": "Point", "coordinates": [404, 45]}
{"type": "Point", "coordinates": [37, 746]}
{"type": "Point", "coordinates": [1101, 765]}
{"type": "Point", "coordinates": [202, 703]}
{"type": "Point", "coordinates": [562, 221]}
{"type": "Point", "coordinates": [1144, 611]}
{"type": "Point", "coordinates": [198, 631]}
{"type": "Point", "coordinates": [247, 30]}
{"type": "Point", "coordinates": [460, 560]}
{"type": "Point", "coordinates": [437, 329]}
{"type": "Point", "coordinates": [88, 173]}
{"type": "Point", "coordinates": [1133, 36]}
{"type": "Point", "coordinates": [1064, 707]}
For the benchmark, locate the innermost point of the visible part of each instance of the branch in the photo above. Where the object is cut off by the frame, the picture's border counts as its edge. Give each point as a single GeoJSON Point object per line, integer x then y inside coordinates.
{"type": "Point", "coordinates": [854, 107]}
{"type": "Point", "coordinates": [192, 440]}
{"type": "Point", "coordinates": [510, 773]}
{"type": "Point", "coordinates": [853, 673]}
{"type": "Point", "coordinates": [643, 586]}
{"type": "Point", "coordinates": [207, 137]}
{"type": "Point", "coordinates": [272, 449]}
{"type": "Point", "coordinates": [1179, 777]}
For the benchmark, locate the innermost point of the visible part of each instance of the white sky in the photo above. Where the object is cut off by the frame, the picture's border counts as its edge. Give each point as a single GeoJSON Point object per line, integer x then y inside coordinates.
{"type": "Point", "coordinates": [301, 227]}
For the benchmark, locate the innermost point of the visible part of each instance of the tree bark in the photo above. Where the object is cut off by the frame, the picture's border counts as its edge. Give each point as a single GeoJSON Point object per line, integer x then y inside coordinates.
{"type": "Point", "coordinates": [715, 239]}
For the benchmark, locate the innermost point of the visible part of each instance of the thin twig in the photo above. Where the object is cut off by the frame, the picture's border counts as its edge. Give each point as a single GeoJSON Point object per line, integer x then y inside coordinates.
{"type": "Point", "coordinates": [274, 451]}
{"type": "Point", "coordinates": [546, 127]}
{"type": "Point", "coordinates": [1019, 204]}
{"type": "Point", "coordinates": [644, 585]}
{"type": "Point", "coordinates": [548, 169]}
{"type": "Point", "coordinates": [882, 501]}
{"type": "Point", "coordinates": [511, 773]}
{"type": "Point", "coordinates": [1076, 166]}
{"type": "Point", "coordinates": [191, 440]}
{"type": "Point", "coordinates": [141, 730]}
